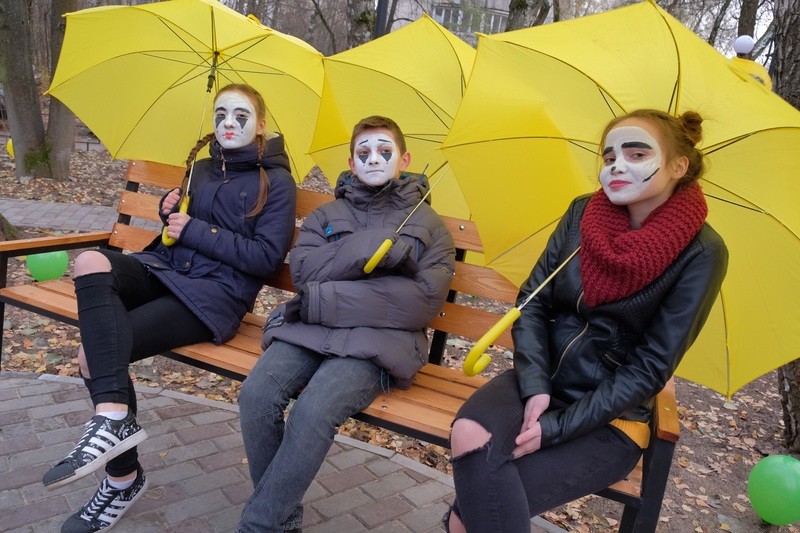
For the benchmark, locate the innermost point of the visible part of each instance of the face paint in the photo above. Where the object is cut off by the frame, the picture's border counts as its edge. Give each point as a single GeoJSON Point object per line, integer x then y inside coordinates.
{"type": "Point", "coordinates": [375, 158]}
{"type": "Point", "coordinates": [234, 120]}
{"type": "Point", "coordinates": [631, 158]}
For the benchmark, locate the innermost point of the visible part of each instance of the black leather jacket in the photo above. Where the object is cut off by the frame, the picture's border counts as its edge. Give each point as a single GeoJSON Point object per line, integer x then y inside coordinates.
{"type": "Point", "coordinates": [609, 361]}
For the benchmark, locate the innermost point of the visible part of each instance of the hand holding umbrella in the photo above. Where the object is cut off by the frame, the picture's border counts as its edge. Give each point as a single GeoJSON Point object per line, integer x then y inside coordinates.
{"type": "Point", "coordinates": [169, 204]}
{"type": "Point", "coordinates": [383, 249]}
{"type": "Point", "coordinates": [477, 360]}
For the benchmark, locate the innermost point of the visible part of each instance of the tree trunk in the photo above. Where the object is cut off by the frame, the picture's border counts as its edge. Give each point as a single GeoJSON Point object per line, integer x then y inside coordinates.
{"type": "Point", "coordinates": [22, 100]}
{"type": "Point", "coordinates": [524, 13]}
{"type": "Point", "coordinates": [362, 21]}
{"type": "Point", "coordinates": [718, 19]}
{"type": "Point", "coordinates": [786, 82]}
{"type": "Point", "coordinates": [7, 231]}
{"type": "Point", "coordinates": [61, 121]}
{"type": "Point", "coordinates": [747, 18]}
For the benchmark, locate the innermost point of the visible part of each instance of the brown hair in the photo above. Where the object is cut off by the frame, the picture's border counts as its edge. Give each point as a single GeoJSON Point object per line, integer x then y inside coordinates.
{"type": "Point", "coordinates": [376, 122]}
{"type": "Point", "coordinates": [261, 114]}
{"type": "Point", "coordinates": [681, 135]}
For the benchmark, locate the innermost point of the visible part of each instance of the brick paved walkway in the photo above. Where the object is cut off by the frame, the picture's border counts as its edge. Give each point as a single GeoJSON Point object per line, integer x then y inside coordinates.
{"type": "Point", "coordinates": [196, 464]}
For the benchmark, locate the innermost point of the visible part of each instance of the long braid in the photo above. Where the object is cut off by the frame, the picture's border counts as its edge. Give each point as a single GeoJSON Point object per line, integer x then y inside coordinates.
{"type": "Point", "coordinates": [193, 152]}
{"type": "Point", "coordinates": [263, 179]}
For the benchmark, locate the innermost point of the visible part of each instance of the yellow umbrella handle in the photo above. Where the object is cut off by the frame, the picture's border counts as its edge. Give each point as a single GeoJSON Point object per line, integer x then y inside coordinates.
{"type": "Point", "coordinates": [166, 239]}
{"type": "Point", "coordinates": [382, 250]}
{"type": "Point", "coordinates": [477, 360]}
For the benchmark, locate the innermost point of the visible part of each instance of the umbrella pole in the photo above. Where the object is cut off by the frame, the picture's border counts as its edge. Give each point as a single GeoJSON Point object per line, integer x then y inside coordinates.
{"type": "Point", "coordinates": [383, 249]}
{"type": "Point", "coordinates": [477, 360]}
{"type": "Point", "coordinates": [184, 205]}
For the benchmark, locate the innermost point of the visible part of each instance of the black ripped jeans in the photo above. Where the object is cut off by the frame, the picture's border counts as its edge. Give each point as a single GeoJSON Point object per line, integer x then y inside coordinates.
{"type": "Point", "coordinates": [495, 492]}
{"type": "Point", "coordinates": [126, 315]}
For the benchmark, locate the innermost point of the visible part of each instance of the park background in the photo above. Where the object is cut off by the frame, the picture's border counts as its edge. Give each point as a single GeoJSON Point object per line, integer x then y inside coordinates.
{"type": "Point", "coordinates": [721, 439]}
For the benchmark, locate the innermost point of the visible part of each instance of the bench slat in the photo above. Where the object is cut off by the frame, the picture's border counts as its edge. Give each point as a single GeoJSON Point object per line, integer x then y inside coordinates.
{"type": "Point", "coordinates": [471, 323]}
{"type": "Point", "coordinates": [157, 174]}
{"type": "Point", "coordinates": [131, 238]}
{"type": "Point", "coordinates": [483, 281]}
{"type": "Point", "coordinates": [58, 242]}
{"type": "Point", "coordinates": [139, 205]}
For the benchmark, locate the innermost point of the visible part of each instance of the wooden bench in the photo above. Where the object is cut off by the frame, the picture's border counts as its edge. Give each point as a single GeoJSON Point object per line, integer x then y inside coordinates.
{"type": "Point", "coordinates": [425, 411]}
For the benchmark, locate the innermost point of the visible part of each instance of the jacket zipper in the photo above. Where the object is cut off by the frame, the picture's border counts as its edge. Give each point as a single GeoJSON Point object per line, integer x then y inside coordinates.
{"type": "Point", "coordinates": [574, 339]}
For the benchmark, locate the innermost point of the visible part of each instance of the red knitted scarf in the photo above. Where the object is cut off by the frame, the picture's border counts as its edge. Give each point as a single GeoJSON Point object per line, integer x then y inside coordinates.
{"type": "Point", "coordinates": [617, 261]}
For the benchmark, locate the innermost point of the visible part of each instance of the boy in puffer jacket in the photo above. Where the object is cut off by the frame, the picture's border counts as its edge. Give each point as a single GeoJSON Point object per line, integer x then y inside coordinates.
{"type": "Point", "coordinates": [346, 335]}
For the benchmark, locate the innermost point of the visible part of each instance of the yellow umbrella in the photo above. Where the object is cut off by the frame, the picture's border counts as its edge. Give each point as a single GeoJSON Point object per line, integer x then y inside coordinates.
{"type": "Point", "coordinates": [140, 76]}
{"type": "Point", "coordinates": [415, 76]}
{"type": "Point", "coordinates": [561, 84]}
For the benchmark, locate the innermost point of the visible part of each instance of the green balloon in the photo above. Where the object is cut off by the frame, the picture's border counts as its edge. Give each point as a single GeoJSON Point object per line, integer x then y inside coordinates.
{"type": "Point", "coordinates": [48, 265]}
{"type": "Point", "coordinates": [774, 489]}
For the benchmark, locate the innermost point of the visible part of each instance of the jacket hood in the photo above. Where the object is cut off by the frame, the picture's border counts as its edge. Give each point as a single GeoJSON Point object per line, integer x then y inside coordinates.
{"type": "Point", "coordinates": [246, 157]}
{"type": "Point", "coordinates": [409, 188]}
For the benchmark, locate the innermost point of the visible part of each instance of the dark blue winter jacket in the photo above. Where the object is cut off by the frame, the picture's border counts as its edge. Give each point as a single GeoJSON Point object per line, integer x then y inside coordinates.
{"type": "Point", "coordinates": [222, 257]}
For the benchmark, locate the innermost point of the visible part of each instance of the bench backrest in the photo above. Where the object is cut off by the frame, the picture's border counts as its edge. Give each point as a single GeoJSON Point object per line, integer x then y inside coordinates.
{"type": "Point", "coordinates": [146, 182]}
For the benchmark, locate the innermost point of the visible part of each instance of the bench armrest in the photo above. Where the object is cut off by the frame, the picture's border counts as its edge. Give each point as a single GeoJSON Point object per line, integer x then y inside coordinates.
{"type": "Point", "coordinates": [53, 243]}
{"type": "Point", "coordinates": [665, 412]}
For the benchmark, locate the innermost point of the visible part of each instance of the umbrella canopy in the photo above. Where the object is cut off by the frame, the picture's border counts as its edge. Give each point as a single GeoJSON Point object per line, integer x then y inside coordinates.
{"type": "Point", "coordinates": [143, 78]}
{"type": "Point", "coordinates": [415, 76]}
{"type": "Point", "coordinates": [561, 84]}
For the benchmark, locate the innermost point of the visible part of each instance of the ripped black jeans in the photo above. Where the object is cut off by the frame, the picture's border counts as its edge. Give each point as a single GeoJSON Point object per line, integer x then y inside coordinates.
{"type": "Point", "coordinates": [495, 492]}
{"type": "Point", "coordinates": [126, 315]}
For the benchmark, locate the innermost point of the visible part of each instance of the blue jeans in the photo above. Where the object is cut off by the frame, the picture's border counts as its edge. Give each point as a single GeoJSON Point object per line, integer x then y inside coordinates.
{"type": "Point", "coordinates": [495, 492]}
{"type": "Point", "coordinates": [285, 456]}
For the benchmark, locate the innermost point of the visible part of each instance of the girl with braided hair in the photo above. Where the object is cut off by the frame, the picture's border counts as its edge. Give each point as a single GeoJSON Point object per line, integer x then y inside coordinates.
{"type": "Point", "coordinates": [601, 339]}
{"type": "Point", "coordinates": [236, 233]}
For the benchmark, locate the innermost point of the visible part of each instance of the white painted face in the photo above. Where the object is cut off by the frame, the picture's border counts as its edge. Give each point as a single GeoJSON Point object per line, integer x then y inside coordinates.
{"type": "Point", "coordinates": [235, 121]}
{"type": "Point", "coordinates": [375, 158]}
{"type": "Point", "coordinates": [631, 157]}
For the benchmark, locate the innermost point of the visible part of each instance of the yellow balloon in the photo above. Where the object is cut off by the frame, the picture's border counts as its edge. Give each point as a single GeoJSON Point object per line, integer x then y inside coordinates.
{"type": "Point", "coordinates": [10, 147]}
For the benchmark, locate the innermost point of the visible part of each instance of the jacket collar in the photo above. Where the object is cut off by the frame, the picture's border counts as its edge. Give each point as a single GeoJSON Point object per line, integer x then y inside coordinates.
{"type": "Point", "coordinates": [246, 157]}
{"type": "Point", "coordinates": [405, 191]}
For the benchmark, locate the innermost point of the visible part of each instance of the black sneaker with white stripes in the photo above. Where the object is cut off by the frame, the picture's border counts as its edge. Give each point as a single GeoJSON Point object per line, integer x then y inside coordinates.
{"type": "Point", "coordinates": [103, 440]}
{"type": "Point", "coordinates": [106, 506]}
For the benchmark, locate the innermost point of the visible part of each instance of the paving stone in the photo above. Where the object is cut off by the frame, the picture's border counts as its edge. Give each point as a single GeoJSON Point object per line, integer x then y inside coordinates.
{"type": "Point", "coordinates": [189, 508]}
{"type": "Point", "coordinates": [382, 511]}
{"type": "Point", "coordinates": [425, 518]}
{"type": "Point", "coordinates": [18, 444]}
{"type": "Point", "coordinates": [350, 458]}
{"type": "Point", "coordinates": [181, 410]}
{"type": "Point", "coordinates": [343, 502]}
{"type": "Point", "coordinates": [187, 452]}
{"type": "Point", "coordinates": [426, 493]}
{"type": "Point", "coordinates": [346, 479]}
{"type": "Point", "coordinates": [390, 527]}
{"type": "Point", "coordinates": [382, 467]}
{"type": "Point", "coordinates": [57, 409]}
{"type": "Point", "coordinates": [338, 524]}
{"type": "Point", "coordinates": [219, 479]}
{"type": "Point", "coordinates": [222, 459]}
{"type": "Point", "coordinates": [388, 485]}
{"type": "Point", "coordinates": [20, 516]}
{"type": "Point", "coordinates": [204, 433]}
{"type": "Point", "coordinates": [171, 474]}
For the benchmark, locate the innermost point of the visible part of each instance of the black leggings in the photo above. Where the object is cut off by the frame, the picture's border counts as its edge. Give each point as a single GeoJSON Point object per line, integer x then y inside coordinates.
{"type": "Point", "coordinates": [495, 492]}
{"type": "Point", "coordinates": [126, 315]}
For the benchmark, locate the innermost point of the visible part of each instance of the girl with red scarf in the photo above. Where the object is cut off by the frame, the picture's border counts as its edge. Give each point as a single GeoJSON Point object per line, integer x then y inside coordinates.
{"type": "Point", "coordinates": [601, 340]}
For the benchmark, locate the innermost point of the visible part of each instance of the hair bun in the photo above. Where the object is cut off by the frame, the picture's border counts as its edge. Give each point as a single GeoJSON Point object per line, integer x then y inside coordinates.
{"type": "Point", "coordinates": [692, 124]}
